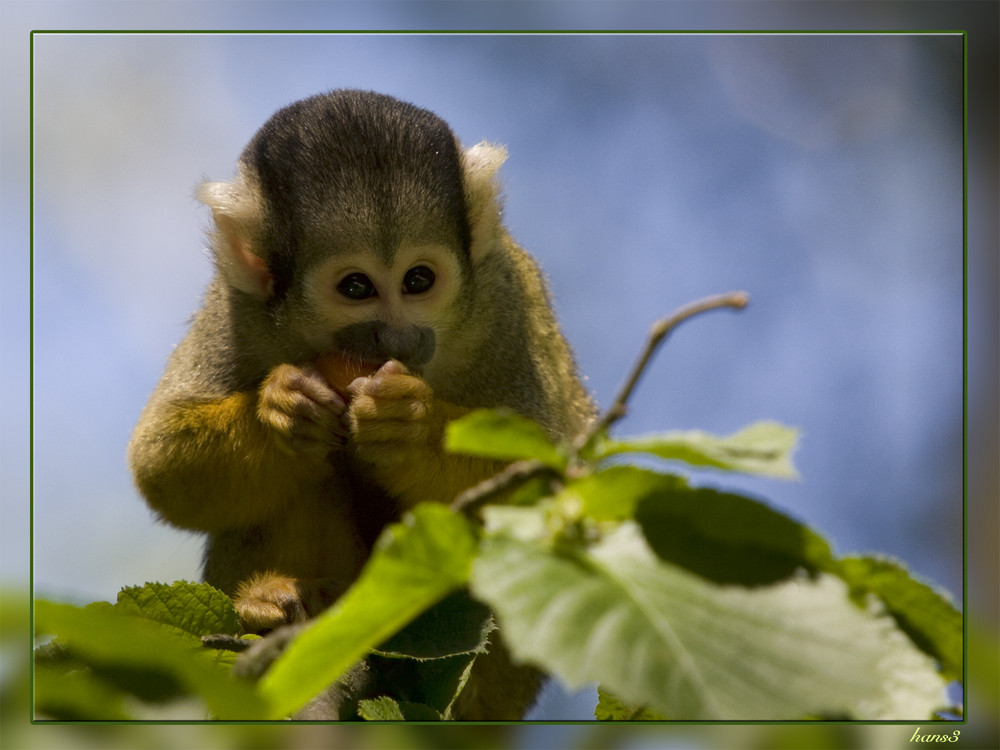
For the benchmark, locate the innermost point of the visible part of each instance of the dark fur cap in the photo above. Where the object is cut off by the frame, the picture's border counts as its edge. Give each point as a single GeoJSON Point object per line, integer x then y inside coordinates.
{"type": "Point", "coordinates": [353, 167]}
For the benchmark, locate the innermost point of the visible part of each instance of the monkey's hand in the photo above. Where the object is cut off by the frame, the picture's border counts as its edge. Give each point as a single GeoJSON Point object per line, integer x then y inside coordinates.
{"type": "Point", "coordinates": [398, 429]}
{"type": "Point", "coordinates": [306, 415]}
{"type": "Point", "coordinates": [236, 461]}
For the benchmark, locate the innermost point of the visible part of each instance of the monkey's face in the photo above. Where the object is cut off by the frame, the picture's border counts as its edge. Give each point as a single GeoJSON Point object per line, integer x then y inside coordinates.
{"type": "Point", "coordinates": [353, 221]}
{"type": "Point", "coordinates": [371, 307]}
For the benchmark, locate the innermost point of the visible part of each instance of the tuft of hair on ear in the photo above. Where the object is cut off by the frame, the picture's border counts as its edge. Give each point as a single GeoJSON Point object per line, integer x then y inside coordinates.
{"type": "Point", "coordinates": [236, 213]}
{"type": "Point", "coordinates": [480, 164]}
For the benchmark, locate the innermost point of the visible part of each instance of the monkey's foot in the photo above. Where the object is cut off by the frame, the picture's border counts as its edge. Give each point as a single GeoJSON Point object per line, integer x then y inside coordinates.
{"type": "Point", "coordinates": [267, 601]}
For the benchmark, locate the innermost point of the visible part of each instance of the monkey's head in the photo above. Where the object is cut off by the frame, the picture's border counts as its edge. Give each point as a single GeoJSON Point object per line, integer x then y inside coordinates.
{"type": "Point", "coordinates": [356, 221]}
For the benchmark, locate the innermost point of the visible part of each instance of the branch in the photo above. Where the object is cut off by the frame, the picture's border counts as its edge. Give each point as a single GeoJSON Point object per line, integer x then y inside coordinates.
{"type": "Point", "coordinates": [657, 334]}
{"type": "Point", "coordinates": [256, 660]}
{"type": "Point", "coordinates": [225, 642]}
{"type": "Point", "coordinates": [511, 477]}
{"type": "Point", "coordinates": [519, 472]}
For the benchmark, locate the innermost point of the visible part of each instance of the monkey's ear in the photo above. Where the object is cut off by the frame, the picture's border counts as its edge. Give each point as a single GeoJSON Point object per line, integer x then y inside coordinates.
{"type": "Point", "coordinates": [232, 242]}
{"type": "Point", "coordinates": [482, 190]}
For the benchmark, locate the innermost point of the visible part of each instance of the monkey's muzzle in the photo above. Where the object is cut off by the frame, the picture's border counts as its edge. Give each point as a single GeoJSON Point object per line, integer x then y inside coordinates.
{"type": "Point", "coordinates": [379, 341]}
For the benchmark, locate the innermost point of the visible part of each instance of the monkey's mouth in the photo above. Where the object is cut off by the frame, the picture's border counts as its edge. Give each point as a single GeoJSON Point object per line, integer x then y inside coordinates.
{"type": "Point", "coordinates": [368, 365]}
{"type": "Point", "coordinates": [340, 368]}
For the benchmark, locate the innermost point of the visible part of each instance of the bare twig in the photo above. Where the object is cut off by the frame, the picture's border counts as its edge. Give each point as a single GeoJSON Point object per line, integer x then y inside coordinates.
{"type": "Point", "coordinates": [510, 478]}
{"type": "Point", "coordinates": [263, 652]}
{"type": "Point", "coordinates": [657, 334]}
{"type": "Point", "coordinates": [225, 642]}
{"type": "Point", "coordinates": [519, 472]}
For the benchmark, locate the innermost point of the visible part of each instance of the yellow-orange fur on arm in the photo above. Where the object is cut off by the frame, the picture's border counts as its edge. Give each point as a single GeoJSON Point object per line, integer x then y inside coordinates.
{"type": "Point", "coordinates": [215, 465]}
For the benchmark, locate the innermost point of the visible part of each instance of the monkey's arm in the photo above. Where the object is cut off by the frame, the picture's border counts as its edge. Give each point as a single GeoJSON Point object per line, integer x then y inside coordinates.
{"type": "Point", "coordinates": [398, 428]}
{"type": "Point", "coordinates": [237, 460]}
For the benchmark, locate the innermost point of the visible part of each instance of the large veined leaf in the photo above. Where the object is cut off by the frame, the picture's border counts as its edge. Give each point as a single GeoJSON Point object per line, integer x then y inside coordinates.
{"type": "Point", "coordinates": [612, 494]}
{"type": "Point", "coordinates": [763, 448]}
{"type": "Point", "coordinates": [728, 538]}
{"type": "Point", "coordinates": [927, 615]}
{"type": "Point", "coordinates": [195, 608]}
{"type": "Point", "coordinates": [415, 564]}
{"type": "Point", "coordinates": [456, 625]}
{"type": "Point", "coordinates": [656, 635]}
{"type": "Point", "coordinates": [435, 683]}
{"type": "Point", "coordinates": [428, 661]}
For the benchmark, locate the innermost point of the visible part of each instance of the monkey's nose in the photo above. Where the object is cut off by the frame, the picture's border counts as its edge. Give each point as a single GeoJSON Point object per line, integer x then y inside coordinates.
{"type": "Point", "coordinates": [411, 345]}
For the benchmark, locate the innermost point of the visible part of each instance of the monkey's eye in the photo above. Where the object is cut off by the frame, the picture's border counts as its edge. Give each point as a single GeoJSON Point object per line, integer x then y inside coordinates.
{"type": "Point", "coordinates": [418, 280]}
{"type": "Point", "coordinates": [356, 286]}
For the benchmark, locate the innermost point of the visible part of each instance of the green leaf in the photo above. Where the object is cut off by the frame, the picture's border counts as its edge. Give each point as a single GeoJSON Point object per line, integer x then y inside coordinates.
{"type": "Point", "coordinates": [724, 537]}
{"type": "Point", "coordinates": [528, 493]}
{"type": "Point", "coordinates": [503, 435]}
{"type": "Point", "coordinates": [226, 658]}
{"type": "Point", "coordinates": [610, 708]}
{"type": "Point", "coordinates": [76, 695]}
{"type": "Point", "coordinates": [529, 524]}
{"type": "Point", "coordinates": [414, 565]}
{"type": "Point", "coordinates": [386, 709]}
{"type": "Point", "coordinates": [428, 661]}
{"type": "Point", "coordinates": [608, 495]}
{"type": "Point", "coordinates": [456, 625]}
{"type": "Point", "coordinates": [728, 538]}
{"type": "Point", "coordinates": [762, 448]}
{"type": "Point", "coordinates": [195, 608]}
{"type": "Point", "coordinates": [148, 684]}
{"type": "Point", "coordinates": [140, 655]}
{"type": "Point", "coordinates": [431, 682]}
{"type": "Point", "coordinates": [657, 635]}
{"type": "Point", "coordinates": [926, 615]}
{"type": "Point", "coordinates": [612, 494]}
{"type": "Point", "coordinates": [382, 708]}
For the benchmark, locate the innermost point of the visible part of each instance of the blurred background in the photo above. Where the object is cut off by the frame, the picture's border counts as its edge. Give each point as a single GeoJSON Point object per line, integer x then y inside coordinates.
{"type": "Point", "coordinates": [822, 173]}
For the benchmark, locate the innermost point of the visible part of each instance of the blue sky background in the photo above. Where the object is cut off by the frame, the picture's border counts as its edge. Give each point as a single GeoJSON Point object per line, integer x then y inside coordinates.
{"type": "Point", "coordinates": [820, 173]}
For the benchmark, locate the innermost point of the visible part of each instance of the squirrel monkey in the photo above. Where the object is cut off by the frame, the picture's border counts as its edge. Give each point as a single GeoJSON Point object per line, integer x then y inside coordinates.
{"type": "Point", "coordinates": [357, 237]}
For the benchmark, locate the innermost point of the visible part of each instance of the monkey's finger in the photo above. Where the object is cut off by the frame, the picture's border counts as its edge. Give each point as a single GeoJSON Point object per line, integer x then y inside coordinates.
{"type": "Point", "coordinates": [293, 413]}
{"type": "Point", "coordinates": [391, 380]}
{"type": "Point", "coordinates": [308, 428]}
{"type": "Point", "coordinates": [393, 367]}
{"type": "Point", "coordinates": [367, 408]}
{"type": "Point", "coordinates": [390, 385]}
{"type": "Point", "coordinates": [298, 391]}
{"type": "Point", "coordinates": [389, 367]}
{"type": "Point", "coordinates": [312, 383]}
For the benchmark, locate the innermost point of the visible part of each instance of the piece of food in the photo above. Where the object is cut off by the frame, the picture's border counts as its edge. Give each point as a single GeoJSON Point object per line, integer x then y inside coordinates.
{"type": "Point", "coordinates": [340, 370]}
